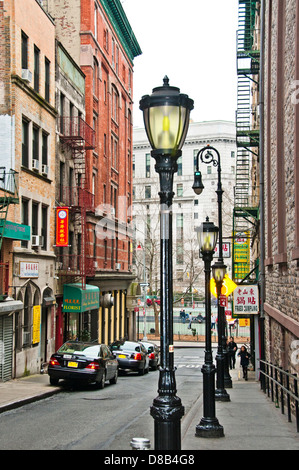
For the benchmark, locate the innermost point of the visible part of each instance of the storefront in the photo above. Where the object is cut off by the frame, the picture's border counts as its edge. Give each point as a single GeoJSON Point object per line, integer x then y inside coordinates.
{"type": "Point", "coordinates": [80, 309]}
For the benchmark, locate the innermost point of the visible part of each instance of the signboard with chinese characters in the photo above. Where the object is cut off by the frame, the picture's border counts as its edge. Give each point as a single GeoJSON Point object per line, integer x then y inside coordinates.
{"type": "Point", "coordinates": [241, 255]}
{"type": "Point", "coordinates": [225, 250]}
{"type": "Point", "coordinates": [36, 324]}
{"type": "Point", "coordinates": [246, 300]}
{"type": "Point", "coordinates": [28, 269]}
{"type": "Point", "coordinates": [62, 226]}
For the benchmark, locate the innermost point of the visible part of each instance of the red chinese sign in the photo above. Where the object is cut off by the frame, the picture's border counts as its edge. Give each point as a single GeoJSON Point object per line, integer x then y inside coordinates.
{"type": "Point", "coordinates": [62, 226]}
{"type": "Point", "coordinates": [246, 300]}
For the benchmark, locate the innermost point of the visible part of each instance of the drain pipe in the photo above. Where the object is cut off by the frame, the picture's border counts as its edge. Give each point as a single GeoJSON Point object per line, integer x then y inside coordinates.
{"type": "Point", "coordinates": [262, 186]}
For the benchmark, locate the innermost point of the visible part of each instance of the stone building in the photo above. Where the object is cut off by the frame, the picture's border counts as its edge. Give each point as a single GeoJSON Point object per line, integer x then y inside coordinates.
{"type": "Point", "coordinates": [189, 209]}
{"type": "Point", "coordinates": [28, 119]}
{"type": "Point", "coordinates": [281, 163]}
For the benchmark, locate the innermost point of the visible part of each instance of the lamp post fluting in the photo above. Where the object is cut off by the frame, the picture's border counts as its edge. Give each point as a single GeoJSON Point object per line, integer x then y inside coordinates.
{"type": "Point", "coordinates": [166, 118]}
{"type": "Point", "coordinates": [207, 156]}
{"type": "Point", "coordinates": [209, 425]}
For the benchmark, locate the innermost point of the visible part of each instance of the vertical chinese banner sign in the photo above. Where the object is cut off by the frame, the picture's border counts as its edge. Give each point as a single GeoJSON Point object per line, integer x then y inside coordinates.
{"type": "Point", "coordinates": [62, 226]}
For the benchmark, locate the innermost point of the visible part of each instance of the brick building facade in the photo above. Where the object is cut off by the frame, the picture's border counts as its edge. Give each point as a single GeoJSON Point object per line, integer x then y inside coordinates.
{"type": "Point", "coordinates": [99, 38]}
{"type": "Point", "coordinates": [28, 119]}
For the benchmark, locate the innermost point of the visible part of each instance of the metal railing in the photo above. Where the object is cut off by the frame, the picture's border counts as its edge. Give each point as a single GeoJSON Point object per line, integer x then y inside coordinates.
{"type": "Point", "coordinates": [282, 387]}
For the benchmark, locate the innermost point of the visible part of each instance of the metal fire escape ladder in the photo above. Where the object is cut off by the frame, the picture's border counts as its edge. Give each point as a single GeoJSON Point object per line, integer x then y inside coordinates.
{"type": "Point", "coordinates": [79, 137]}
{"type": "Point", "coordinates": [245, 213]}
{"type": "Point", "coordinates": [8, 196]}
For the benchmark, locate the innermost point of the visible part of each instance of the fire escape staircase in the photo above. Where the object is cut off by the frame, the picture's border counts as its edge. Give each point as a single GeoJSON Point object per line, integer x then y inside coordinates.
{"type": "Point", "coordinates": [246, 212]}
{"type": "Point", "coordinates": [8, 196]}
{"type": "Point", "coordinates": [79, 137]}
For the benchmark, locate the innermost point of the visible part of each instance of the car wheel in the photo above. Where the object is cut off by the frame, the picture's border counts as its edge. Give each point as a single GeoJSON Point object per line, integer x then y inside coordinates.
{"type": "Point", "coordinates": [114, 379]}
{"type": "Point", "coordinates": [101, 383]}
{"type": "Point", "coordinates": [141, 371]}
{"type": "Point", "coordinates": [54, 381]}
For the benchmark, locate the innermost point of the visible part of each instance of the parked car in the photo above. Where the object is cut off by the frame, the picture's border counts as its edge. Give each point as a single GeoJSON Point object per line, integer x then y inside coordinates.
{"type": "Point", "coordinates": [153, 354]}
{"type": "Point", "coordinates": [131, 355]}
{"type": "Point", "coordinates": [83, 362]}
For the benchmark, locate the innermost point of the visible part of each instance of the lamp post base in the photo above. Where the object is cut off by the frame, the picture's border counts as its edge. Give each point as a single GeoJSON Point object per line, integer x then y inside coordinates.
{"type": "Point", "coordinates": [221, 395]}
{"type": "Point", "coordinates": [167, 413]}
{"type": "Point", "coordinates": [209, 428]}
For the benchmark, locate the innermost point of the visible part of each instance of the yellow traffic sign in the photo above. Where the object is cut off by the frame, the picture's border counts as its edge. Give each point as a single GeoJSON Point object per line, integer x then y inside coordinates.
{"type": "Point", "coordinates": [227, 288]}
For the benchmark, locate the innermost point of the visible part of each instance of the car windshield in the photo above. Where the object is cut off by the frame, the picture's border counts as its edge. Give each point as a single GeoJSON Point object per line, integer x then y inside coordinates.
{"type": "Point", "coordinates": [84, 349]}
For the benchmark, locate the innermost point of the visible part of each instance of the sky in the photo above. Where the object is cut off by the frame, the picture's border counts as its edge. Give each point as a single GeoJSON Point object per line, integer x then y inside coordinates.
{"type": "Point", "coordinates": [193, 42]}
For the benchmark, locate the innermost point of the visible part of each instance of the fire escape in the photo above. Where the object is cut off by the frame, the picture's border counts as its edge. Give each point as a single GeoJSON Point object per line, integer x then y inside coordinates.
{"type": "Point", "coordinates": [78, 264]}
{"type": "Point", "coordinates": [8, 196]}
{"type": "Point", "coordinates": [246, 212]}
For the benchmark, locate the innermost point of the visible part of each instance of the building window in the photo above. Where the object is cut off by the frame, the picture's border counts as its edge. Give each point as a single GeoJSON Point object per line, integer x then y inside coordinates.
{"type": "Point", "coordinates": [106, 39]}
{"type": "Point", "coordinates": [35, 147]}
{"type": "Point", "coordinates": [179, 190]}
{"type": "Point", "coordinates": [95, 77]}
{"type": "Point", "coordinates": [62, 101]}
{"type": "Point", "coordinates": [148, 165]}
{"type": "Point", "coordinates": [95, 22]}
{"type": "Point", "coordinates": [133, 166]}
{"type": "Point", "coordinates": [34, 219]}
{"type": "Point", "coordinates": [25, 142]}
{"type": "Point", "coordinates": [24, 51]}
{"type": "Point", "coordinates": [44, 230]}
{"type": "Point", "coordinates": [47, 80]}
{"type": "Point", "coordinates": [114, 104]}
{"type": "Point", "coordinates": [24, 218]}
{"type": "Point", "coordinates": [113, 53]}
{"type": "Point", "coordinates": [45, 149]}
{"type": "Point", "coordinates": [180, 166]}
{"type": "Point", "coordinates": [36, 68]}
{"type": "Point", "coordinates": [148, 192]}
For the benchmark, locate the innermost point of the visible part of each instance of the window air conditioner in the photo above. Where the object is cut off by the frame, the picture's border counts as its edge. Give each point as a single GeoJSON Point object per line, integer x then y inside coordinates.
{"type": "Point", "coordinates": [35, 165]}
{"type": "Point", "coordinates": [45, 170]}
{"type": "Point", "coordinates": [37, 240]}
{"type": "Point", "coordinates": [117, 266]}
{"type": "Point", "coordinates": [27, 75]}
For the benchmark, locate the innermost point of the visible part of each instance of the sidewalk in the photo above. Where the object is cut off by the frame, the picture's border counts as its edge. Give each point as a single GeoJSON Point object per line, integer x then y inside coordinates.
{"type": "Point", "coordinates": [250, 420]}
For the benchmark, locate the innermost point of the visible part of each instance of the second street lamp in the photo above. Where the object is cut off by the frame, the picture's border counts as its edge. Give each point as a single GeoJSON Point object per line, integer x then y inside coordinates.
{"type": "Point", "coordinates": [209, 426]}
{"type": "Point", "coordinates": [210, 155]}
{"type": "Point", "coordinates": [166, 118]}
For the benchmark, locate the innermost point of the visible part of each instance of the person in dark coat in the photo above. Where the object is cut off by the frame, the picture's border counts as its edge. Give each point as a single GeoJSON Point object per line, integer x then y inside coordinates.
{"type": "Point", "coordinates": [232, 349]}
{"type": "Point", "coordinates": [244, 356]}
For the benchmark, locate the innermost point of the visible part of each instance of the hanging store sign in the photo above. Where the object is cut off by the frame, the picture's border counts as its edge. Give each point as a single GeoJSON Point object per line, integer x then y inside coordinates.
{"type": "Point", "coordinates": [36, 324]}
{"type": "Point", "coordinates": [62, 226]}
{"type": "Point", "coordinates": [246, 300]}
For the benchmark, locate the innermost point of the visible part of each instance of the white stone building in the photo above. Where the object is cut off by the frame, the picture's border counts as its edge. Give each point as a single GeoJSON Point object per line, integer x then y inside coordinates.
{"type": "Point", "coordinates": [189, 210]}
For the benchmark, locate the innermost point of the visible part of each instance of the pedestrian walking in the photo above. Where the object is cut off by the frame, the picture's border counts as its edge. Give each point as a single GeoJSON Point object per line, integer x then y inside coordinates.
{"type": "Point", "coordinates": [244, 356]}
{"type": "Point", "coordinates": [190, 320]}
{"type": "Point", "coordinates": [213, 322]}
{"type": "Point", "coordinates": [232, 349]}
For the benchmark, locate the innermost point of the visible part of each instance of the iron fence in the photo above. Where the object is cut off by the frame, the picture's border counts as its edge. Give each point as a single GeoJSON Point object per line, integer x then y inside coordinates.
{"type": "Point", "coordinates": [282, 387]}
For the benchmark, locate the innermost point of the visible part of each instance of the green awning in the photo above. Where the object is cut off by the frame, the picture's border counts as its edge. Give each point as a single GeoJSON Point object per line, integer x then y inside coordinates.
{"type": "Point", "coordinates": [77, 299]}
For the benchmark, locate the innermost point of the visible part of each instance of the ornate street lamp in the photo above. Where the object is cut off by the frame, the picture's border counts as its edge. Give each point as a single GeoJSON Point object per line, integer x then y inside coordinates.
{"type": "Point", "coordinates": [166, 118]}
{"type": "Point", "coordinates": [219, 271]}
{"type": "Point", "coordinates": [210, 155]}
{"type": "Point", "coordinates": [209, 426]}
